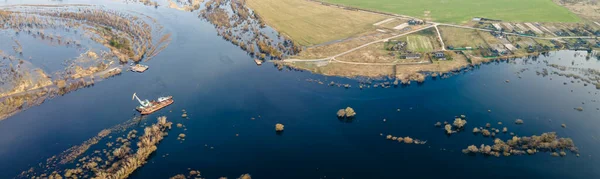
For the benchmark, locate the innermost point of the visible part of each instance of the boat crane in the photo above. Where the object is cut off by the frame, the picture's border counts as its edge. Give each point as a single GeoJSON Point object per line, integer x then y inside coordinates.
{"type": "Point", "coordinates": [148, 107]}
{"type": "Point", "coordinates": [144, 103]}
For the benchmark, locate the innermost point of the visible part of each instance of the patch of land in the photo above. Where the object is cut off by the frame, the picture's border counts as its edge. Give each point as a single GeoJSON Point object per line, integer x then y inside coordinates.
{"type": "Point", "coordinates": [331, 49]}
{"type": "Point", "coordinates": [377, 54]}
{"type": "Point", "coordinates": [344, 69]}
{"type": "Point", "coordinates": [396, 23]}
{"type": "Point", "coordinates": [310, 23]}
{"type": "Point", "coordinates": [461, 11]}
{"type": "Point", "coordinates": [183, 5]}
{"type": "Point", "coordinates": [460, 38]}
{"type": "Point", "coordinates": [418, 48]}
{"type": "Point", "coordinates": [119, 159]}
{"type": "Point", "coordinates": [236, 23]}
{"type": "Point", "coordinates": [588, 9]}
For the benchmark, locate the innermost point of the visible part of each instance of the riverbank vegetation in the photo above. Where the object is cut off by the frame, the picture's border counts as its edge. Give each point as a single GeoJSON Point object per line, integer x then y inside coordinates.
{"type": "Point", "coordinates": [118, 160]}
{"type": "Point", "coordinates": [236, 23]}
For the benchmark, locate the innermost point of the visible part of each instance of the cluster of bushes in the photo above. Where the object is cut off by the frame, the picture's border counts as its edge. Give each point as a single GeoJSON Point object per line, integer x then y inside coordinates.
{"type": "Point", "coordinates": [196, 174]}
{"type": "Point", "coordinates": [458, 125]}
{"type": "Point", "coordinates": [147, 145]}
{"type": "Point", "coordinates": [547, 142]}
{"type": "Point", "coordinates": [347, 113]}
{"type": "Point", "coordinates": [407, 139]}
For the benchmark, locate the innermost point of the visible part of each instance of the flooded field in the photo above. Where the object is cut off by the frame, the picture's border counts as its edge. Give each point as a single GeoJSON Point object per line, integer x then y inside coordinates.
{"type": "Point", "coordinates": [533, 117]}
{"type": "Point", "coordinates": [60, 48]}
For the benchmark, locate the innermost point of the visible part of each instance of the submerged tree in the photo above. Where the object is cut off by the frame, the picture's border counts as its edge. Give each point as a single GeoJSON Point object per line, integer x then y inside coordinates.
{"type": "Point", "coordinates": [346, 113]}
{"type": "Point", "coordinates": [471, 149]}
{"type": "Point", "coordinates": [341, 113]}
{"type": "Point", "coordinates": [485, 132]}
{"type": "Point", "coordinates": [519, 121]}
{"type": "Point", "coordinates": [279, 127]}
{"type": "Point", "coordinates": [350, 112]}
{"type": "Point", "coordinates": [408, 140]}
{"type": "Point", "coordinates": [245, 176]}
{"type": "Point", "coordinates": [459, 123]}
{"type": "Point", "coordinates": [448, 129]}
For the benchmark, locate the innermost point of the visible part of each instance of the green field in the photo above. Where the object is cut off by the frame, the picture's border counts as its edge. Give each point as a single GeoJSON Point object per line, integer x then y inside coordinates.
{"type": "Point", "coordinates": [419, 43]}
{"type": "Point", "coordinates": [461, 11]}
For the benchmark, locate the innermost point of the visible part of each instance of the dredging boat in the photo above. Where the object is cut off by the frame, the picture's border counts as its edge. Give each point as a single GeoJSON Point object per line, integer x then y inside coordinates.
{"type": "Point", "coordinates": [149, 107]}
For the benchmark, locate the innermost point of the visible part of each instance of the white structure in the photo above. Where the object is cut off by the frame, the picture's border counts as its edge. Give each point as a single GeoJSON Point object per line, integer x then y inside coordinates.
{"type": "Point", "coordinates": [144, 103]}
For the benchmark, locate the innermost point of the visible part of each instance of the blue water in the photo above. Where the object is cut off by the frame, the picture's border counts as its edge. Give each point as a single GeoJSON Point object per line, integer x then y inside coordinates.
{"type": "Point", "coordinates": [222, 89]}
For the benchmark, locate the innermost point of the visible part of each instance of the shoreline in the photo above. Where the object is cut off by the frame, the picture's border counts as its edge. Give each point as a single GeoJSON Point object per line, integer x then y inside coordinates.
{"type": "Point", "coordinates": [426, 73]}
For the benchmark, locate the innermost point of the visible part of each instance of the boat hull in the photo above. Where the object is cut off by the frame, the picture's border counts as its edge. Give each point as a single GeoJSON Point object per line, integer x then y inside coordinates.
{"type": "Point", "coordinates": [155, 106]}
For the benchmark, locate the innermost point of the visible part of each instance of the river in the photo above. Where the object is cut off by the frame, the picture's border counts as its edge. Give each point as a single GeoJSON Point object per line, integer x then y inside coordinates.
{"type": "Point", "coordinates": [222, 89]}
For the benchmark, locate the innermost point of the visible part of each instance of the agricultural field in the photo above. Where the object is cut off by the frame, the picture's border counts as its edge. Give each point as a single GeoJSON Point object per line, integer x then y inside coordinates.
{"type": "Point", "coordinates": [331, 49]}
{"type": "Point", "coordinates": [462, 11]}
{"type": "Point", "coordinates": [310, 23]}
{"type": "Point", "coordinates": [419, 43]}
{"type": "Point", "coordinates": [460, 38]}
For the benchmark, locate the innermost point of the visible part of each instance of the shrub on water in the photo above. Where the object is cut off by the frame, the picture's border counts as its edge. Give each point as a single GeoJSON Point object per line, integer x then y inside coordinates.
{"type": "Point", "coordinates": [279, 127]}
{"type": "Point", "coordinates": [519, 121]}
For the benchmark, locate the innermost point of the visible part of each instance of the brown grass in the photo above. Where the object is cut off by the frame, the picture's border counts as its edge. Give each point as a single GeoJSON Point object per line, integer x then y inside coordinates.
{"type": "Point", "coordinates": [346, 70]}
{"type": "Point", "coordinates": [401, 71]}
{"type": "Point", "coordinates": [374, 53]}
{"type": "Point", "coordinates": [310, 23]}
{"type": "Point", "coordinates": [339, 47]}
{"type": "Point", "coordinates": [458, 37]}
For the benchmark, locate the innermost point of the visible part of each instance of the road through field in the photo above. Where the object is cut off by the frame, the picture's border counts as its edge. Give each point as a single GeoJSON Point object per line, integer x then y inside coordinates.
{"type": "Point", "coordinates": [332, 58]}
{"type": "Point", "coordinates": [433, 24]}
{"type": "Point", "coordinates": [440, 37]}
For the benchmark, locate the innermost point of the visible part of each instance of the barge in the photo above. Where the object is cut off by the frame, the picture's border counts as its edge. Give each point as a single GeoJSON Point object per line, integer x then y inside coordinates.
{"type": "Point", "coordinates": [149, 107]}
{"type": "Point", "coordinates": [139, 68]}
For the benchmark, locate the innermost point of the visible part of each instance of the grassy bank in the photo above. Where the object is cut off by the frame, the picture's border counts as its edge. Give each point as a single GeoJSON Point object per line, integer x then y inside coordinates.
{"type": "Point", "coordinates": [460, 11]}
{"type": "Point", "coordinates": [310, 23]}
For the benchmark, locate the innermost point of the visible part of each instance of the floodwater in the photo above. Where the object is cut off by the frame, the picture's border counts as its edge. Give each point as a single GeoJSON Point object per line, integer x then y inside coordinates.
{"type": "Point", "coordinates": [221, 89]}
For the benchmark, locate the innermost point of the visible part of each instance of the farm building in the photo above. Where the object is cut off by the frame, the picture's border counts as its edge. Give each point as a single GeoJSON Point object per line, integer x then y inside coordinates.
{"type": "Point", "coordinates": [439, 55]}
{"type": "Point", "coordinates": [411, 56]}
{"type": "Point", "coordinates": [415, 22]}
